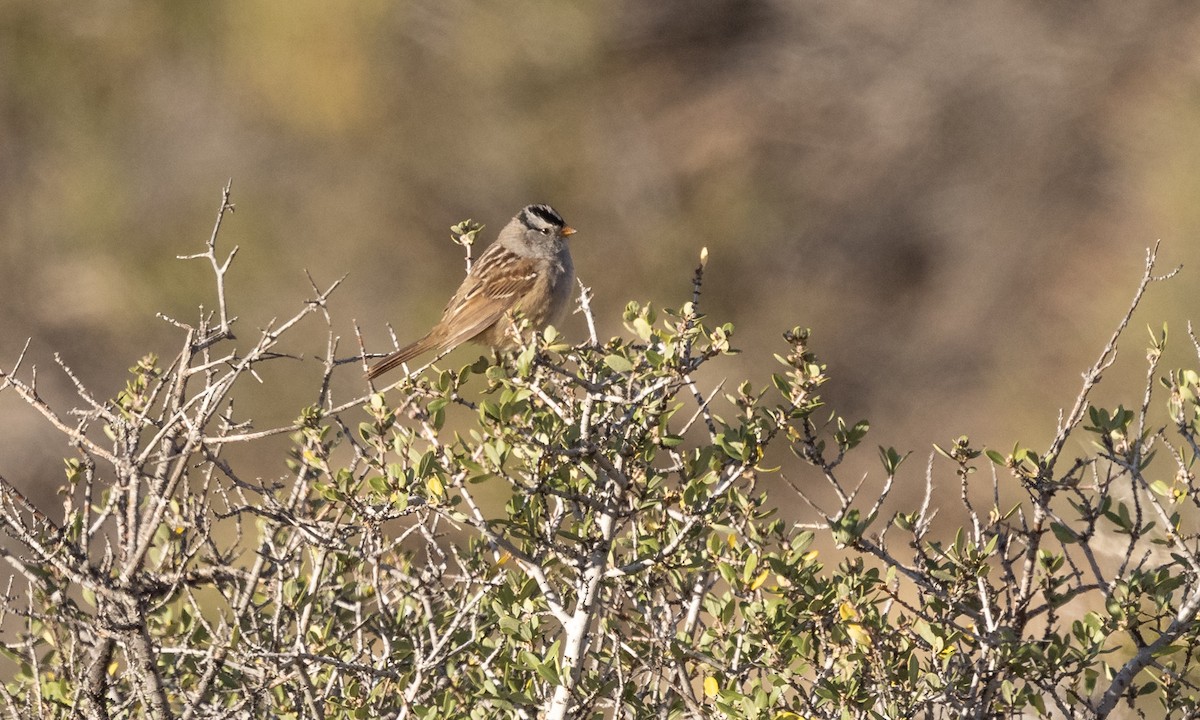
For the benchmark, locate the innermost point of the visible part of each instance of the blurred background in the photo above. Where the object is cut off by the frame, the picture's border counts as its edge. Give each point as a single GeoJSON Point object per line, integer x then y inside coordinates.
{"type": "Point", "coordinates": [956, 197]}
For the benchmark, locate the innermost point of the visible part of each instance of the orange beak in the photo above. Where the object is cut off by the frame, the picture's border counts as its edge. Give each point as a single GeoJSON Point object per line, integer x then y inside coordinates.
{"type": "Point", "coordinates": [568, 230]}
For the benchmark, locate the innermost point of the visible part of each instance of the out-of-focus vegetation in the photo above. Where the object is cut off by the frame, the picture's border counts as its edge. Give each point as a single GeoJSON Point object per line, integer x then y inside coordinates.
{"type": "Point", "coordinates": [950, 194]}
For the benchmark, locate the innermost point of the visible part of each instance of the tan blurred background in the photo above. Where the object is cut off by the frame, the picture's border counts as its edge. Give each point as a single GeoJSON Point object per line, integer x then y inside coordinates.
{"type": "Point", "coordinates": [955, 196]}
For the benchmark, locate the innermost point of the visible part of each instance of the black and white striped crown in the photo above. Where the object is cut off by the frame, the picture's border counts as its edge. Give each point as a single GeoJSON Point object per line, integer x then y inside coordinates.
{"type": "Point", "coordinates": [541, 217]}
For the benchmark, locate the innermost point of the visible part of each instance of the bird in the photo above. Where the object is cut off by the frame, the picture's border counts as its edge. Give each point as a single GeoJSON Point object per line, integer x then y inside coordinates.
{"type": "Point", "coordinates": [527, 268]}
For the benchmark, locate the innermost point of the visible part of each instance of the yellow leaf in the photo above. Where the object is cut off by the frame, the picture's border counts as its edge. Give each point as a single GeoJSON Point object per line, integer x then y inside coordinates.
{"type": "Point", "coordinates": [434, 486]}
{"type": "Point", "coordinates": [758, 581]}
{"type": "Point", "coordinates": [710, 686]}
{"type": "Point", "coordinates": [846, 611]}
{"type": "Point", "coordinates": [858, 634]}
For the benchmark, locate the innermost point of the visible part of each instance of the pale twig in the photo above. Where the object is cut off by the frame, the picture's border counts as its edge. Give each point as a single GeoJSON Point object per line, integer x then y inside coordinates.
{"type": "Point", "coordinates": [30, 396]}
{"type": "Point", "coordinates": [1107, 357]}
{"type": "Point", "coordinates": [100, 408]}
{"type": "Point", "coordinates": [219, 269]}
{"type": "Point", "coordinates": [5, 377]}
{"type": "Point", "coordinates": [1183, 622]}
{"type": "Point", "coordinates": [702, 404]}
{"type": "Point", "coordinates": [585, 308]}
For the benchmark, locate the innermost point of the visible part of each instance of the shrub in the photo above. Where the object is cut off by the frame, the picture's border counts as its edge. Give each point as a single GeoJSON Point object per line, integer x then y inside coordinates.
{"type": "Point", "coordinates": [634, 566]}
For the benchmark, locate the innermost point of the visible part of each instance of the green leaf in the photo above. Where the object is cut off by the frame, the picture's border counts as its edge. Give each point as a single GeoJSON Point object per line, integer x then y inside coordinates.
{"type": "Point", "coordinates": [643, 329]}
{"type": "Point", "coordinates": [618, 363]}
{"type": "Point", "coordinates": [1065, 535]}
{"type": "Point", "coordinates": [890, 458]}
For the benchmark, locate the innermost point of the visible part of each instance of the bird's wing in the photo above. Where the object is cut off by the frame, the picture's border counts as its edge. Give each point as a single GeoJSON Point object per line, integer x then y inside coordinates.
{"type": "Point", "coordinates": [498, 281]}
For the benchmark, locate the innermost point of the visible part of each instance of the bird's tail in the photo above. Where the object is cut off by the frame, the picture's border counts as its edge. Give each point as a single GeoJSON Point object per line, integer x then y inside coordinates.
{"type": "Point", "coordinates": [401, 356]}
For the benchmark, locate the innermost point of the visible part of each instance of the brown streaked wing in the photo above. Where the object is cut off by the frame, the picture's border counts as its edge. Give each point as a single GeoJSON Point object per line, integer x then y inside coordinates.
{"type": "Point", "coordinates": [478, 305]}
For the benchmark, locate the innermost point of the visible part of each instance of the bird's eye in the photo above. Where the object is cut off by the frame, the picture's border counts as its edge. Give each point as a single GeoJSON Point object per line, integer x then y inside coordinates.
{"type": "Point", "coordinates": [544, 231]}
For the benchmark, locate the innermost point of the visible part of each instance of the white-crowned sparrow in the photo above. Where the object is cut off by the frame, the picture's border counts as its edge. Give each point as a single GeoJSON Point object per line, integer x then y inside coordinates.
{"type": "Point", "coordinates": [527, 268]}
